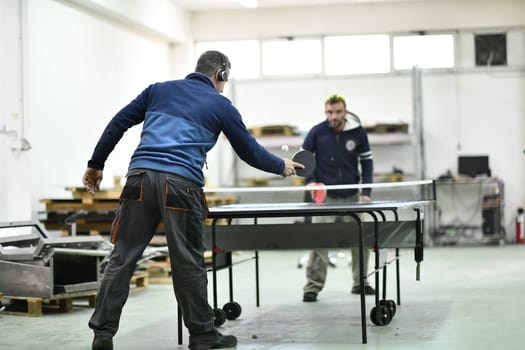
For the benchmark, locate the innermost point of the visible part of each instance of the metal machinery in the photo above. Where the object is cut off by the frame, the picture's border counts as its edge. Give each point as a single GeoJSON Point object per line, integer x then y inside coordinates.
{"type": "Point", "coordinates": [32, 264]}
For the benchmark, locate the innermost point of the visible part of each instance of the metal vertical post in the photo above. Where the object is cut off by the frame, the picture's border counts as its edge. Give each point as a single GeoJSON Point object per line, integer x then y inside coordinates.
{"type": "Point", "coordinates": [235, 163]}
{"type": "Point", "coordinates": [417, 103]}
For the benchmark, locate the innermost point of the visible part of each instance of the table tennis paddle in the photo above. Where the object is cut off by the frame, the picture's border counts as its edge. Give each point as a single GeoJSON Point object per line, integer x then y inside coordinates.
{"type": "Point", "coordinates": [319, 193]}
{"type": "Point", "coordinates": [307, 159]}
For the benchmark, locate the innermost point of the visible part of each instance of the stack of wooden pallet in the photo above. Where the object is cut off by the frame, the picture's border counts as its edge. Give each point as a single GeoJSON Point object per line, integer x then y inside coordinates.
{"type": "Point", "coordinates": [385, 128]}
{"type": "Point", "coordinates": [93, 215]}
{"type": "Point", "coordinates": [33, 306]}
{"type": "Point", "coordinates": [273, 130]}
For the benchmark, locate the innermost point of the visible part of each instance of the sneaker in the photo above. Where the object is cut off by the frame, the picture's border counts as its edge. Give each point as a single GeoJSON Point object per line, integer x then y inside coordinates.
{"type": "Point", "coordinates": [219, 342]}
{"type": "Point", "coordinates": [100, 343]}
{"type": "Point", "coordinates": [368, 290]}
{"type": "Point", "coordinates": [310, 297]}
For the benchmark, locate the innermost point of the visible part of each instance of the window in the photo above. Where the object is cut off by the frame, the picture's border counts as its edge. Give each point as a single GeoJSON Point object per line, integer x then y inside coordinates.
{"type": "Point", "coordinates": [359, 54]}
{"type": "Point", "coordinates": [491, 49]}
{"type": "Point", "coordinates": [289, 57]}
{"type": "Point", "coordinates": [425, 51]}
{"type": "Point", "coordinates": [349, 54]}
{"type": "Point", "coordinates": [243, 54]}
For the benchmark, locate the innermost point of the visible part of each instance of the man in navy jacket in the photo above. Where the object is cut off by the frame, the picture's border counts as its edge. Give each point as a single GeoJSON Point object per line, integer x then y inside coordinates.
{"type": "Point", "coordinates": [340, 145]}
{"type": "Point", "coordinates": [182, 120]}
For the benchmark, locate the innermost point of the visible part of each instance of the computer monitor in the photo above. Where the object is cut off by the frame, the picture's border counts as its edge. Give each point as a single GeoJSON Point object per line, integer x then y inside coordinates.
{"type": "Point", "coordinates": [473, 165]}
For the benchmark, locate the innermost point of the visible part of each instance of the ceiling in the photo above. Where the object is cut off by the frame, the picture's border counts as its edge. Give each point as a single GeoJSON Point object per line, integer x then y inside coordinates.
{"type": "Point", "coordinates": [200, 5]}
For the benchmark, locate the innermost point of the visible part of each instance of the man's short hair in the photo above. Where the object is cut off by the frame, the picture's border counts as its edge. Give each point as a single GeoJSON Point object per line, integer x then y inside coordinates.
{"type": "Point", "coordinates": [332, 99]}
{"type": "Point", "coordinates": [211, 61]}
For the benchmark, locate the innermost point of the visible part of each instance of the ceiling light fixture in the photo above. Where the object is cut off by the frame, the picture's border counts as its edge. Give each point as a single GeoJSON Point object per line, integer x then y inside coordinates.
{"type": "Point", "coordinates": [249, 3]}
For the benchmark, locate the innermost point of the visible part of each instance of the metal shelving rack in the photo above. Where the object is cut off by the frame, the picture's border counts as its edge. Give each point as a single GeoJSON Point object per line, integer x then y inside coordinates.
{"type": "Point", "coordinates": [469, 210]}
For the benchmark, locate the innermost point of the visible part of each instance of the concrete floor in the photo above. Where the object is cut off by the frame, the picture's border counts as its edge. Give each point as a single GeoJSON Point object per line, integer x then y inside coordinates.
{"type": "Point", "coordinates": [467, 298]}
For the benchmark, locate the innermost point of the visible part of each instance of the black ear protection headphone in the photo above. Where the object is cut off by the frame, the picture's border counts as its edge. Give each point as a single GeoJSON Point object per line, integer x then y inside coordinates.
{"type": "Point", "coordinates": [222, 73]}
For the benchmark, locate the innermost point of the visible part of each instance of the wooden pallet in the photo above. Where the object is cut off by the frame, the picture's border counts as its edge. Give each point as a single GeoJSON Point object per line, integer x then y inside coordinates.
{"type": "Point", "coordinates": [388, 128]}
{"type": "Point", "coordinates": [101, 213]}
{"type": "Point", "coordinates": [388, 177]}
{"type": "Point", "coordinates": [31, 306]}
{"type": "Point", "coordinates": [265, 181]}
{"type": "Point", "coordinates": [272, 130]}
{"type": "Point", "coordinates": [27, 306]}
{"type": "Point", "coordinates": [86, 197]}
{"type": "Point", "coordinates": [255, 182]}
{"type": "Point", "coordinates": [139, 281]}
{"type": "Point", "coordinates": [159, 272]}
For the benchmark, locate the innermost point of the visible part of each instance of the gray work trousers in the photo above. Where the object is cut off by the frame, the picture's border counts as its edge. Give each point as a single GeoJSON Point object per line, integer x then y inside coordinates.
{"type": "Point", "coordinates": [148, 198]}
{"type": "Point", "coordinates": [317, 267]}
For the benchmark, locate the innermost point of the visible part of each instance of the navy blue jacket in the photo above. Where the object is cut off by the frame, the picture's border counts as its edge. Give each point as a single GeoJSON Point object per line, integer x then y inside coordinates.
{"type": "Point", "coordinates": [337, 156]}
{"type": "Point", "coordinates": [182, 121]}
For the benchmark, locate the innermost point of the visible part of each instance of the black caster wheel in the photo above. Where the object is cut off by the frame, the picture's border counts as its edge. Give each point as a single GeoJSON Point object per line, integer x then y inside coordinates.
{"type": "Point", "coordinates": [232, 310]}
{"type": "Point", "coordinates": [390, 304]}
{"type": "Point", "coordinates": [220, 317]}
{"type": "Point", "coordinates": [381, 315]}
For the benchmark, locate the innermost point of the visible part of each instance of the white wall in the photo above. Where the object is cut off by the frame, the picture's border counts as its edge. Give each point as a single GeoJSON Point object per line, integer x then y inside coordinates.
{"type": "Point", "coordinates": [84, 64]}
{"type": "Point", "coordinates": [364, 18]}
{"type": "Point", "coordinates": [301, 103]}
{"type": "Point", "coordinates": [15, 203]}
{"type": "Point", "coordinates": [470, 111]}
{"type": "Point", "coordinates": [159, 20]}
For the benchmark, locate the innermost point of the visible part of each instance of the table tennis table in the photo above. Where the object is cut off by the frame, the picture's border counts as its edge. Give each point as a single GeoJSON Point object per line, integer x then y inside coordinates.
{"type": "Point", "coordinates": [385, 231]}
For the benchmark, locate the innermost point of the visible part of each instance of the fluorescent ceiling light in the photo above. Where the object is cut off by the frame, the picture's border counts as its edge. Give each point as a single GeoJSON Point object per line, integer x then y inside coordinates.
{"type": "Point", "coordinates": [249, 3]}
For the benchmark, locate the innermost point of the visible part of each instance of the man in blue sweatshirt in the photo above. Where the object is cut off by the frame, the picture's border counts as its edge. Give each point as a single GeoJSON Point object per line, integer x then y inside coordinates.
{"type": "Point", "coordinates": [340, 145]}
{"type": "Point", "coordinates": [182, 120]}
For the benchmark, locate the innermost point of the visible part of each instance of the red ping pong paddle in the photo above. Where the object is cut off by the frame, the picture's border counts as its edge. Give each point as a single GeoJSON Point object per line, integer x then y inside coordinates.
{"type": "Point", "coordinates": [319, 193]}
{"type": "Point", "coordinates": [307, 159]}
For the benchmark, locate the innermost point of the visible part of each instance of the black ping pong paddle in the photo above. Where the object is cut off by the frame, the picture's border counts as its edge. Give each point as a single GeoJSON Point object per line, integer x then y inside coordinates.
{"type": "Point", "coordinates": [307, 159]}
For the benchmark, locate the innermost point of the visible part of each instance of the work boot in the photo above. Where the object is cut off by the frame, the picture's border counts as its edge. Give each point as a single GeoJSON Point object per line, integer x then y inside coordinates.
{"type": "Point", "coordinates": [309, 297]}
{"type": "Point", "coordinates": [212, 341]}
{"type": "Point", "coordinates": [100, 343]}
{"type": "Point", "coordinates": [368, 290]}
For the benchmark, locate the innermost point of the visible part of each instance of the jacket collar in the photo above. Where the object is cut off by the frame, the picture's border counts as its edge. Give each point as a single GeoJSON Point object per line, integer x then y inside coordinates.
{"type": "Point", "coordinates": [202, 77]}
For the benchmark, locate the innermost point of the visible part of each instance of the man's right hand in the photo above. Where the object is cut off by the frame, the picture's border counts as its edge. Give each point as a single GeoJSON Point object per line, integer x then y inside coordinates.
{"type": "Point", "coordinates": [289, 167]}
{"type": "Point", "coordinates": [92, 179]}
